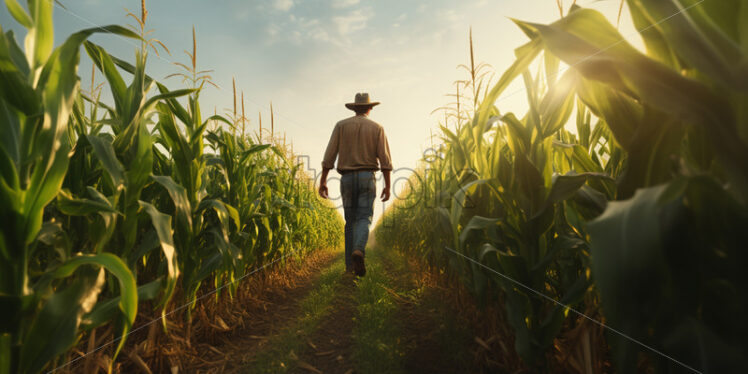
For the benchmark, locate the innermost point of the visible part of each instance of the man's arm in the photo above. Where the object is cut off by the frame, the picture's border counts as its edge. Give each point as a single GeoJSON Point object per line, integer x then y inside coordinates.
{"type": "Point", "coordinates": [328, 162]}
{"type": "Point", "coordinates": [386, 191]}
{"type": "Point", "coordinates": [323, 183]}
{"type": "Point", "coordinates": [385, 163]}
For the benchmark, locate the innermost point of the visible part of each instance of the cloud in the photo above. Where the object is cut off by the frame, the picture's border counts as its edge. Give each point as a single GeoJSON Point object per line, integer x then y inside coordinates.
{"type": "Point", "coordinates": [273, 29]}
{"type": "Point", "coordinates": [283, 5]}
{"type": "Point", "coordinates": [343, 3]}
{"type": "Point", "coordinates": [336, 29]}
{"type": "Point", "coordinates": [353, 21]}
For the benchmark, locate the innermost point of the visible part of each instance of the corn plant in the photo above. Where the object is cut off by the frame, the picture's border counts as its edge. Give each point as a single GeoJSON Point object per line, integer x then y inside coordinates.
{"type": "Point", "coordinates": [666, 260]}
{"type": "Point", "coordinates": [669, 134]}
{"type": "Point", "coordinates": [106, 207]}
{"type": "Point", "coordinates": [38, 296]}
{"type": "Point", "coordinates": [513, 194]}
{"type": "Point", "coordinates": [203, 245]}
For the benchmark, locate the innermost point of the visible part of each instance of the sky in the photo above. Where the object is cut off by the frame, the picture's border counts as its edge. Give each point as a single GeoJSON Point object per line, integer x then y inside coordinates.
{"type": "Point", "coordinates": [309, 57]}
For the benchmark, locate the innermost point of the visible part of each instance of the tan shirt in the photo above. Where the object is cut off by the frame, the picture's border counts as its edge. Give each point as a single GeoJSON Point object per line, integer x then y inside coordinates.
{"type": "Point", "coordinates": [358, 143]}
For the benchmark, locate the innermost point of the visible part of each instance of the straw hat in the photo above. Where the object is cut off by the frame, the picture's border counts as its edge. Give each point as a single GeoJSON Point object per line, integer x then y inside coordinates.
{"type": "Point", "coordinates": [361, 100]}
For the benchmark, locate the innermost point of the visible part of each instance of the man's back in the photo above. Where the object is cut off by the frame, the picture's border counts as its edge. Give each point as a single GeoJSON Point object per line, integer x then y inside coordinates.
{"type": "Point", "coordinates": [358, 142]}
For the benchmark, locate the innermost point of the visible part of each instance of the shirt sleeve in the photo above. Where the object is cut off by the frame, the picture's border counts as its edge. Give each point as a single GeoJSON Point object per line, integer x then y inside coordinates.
{"type": "Point", "coordinates": [383, 152]}
{"type": "Point", "coordinates": [328, 162]}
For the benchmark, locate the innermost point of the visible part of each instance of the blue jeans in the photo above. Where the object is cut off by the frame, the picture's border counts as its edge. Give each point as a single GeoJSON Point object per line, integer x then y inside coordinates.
{"type": "Point", "coordinates": [358, 190]}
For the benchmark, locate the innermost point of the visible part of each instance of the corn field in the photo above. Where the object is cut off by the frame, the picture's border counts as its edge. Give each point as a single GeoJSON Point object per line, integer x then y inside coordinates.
{"type": "Point", "coordinates": [106, 205]}
{"type": "Point", "coordinates": [634, 219]}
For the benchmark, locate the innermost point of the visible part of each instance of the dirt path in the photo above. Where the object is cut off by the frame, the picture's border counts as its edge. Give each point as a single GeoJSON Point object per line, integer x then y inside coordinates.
{"type": "Point", "coordinates": [326, 322]}
{"type": "Point", "coordinates": [330, 347]}
{"type": "Point", "coordinates": [273, 304]}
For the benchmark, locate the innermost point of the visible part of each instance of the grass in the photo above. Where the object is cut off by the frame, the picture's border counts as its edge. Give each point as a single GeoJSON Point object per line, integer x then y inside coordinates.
{"type": "Point", "coordinates": [377, 345]}
{"type": "Point", "coordinates": [281, 354]}
{"type": "Point", "coordinates": [451, 334]}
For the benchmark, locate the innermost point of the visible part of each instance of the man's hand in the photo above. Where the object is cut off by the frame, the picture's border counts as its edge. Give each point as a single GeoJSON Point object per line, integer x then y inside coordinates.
{"type": "Point", "coordinates": [323, 183]}
{"type": "Point", "coordinates": [385, 194]}
{"type": "Point", "coordinates": [323, 191]}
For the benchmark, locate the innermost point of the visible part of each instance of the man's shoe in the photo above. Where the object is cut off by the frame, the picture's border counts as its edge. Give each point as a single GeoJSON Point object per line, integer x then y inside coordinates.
{"type": "Point", "coordinates": [358, 263]}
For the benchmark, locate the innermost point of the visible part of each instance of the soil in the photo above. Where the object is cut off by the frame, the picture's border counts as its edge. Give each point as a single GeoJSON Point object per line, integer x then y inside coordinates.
{"type": "Point", "coordinates": [274, 308]}
{"type": "Point", "coordinates": [329, 348]}
{"type": "Point", "coordinates": [229, 335]}
{"type": "Point", "coordinates": [332, 343]}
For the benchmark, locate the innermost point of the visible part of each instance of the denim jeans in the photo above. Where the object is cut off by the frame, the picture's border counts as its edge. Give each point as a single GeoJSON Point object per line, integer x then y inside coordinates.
{"type": "Point", "coordinates": [358, 190]}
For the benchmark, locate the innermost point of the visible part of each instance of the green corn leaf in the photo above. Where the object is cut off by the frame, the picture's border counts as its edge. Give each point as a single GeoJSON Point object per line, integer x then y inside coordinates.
{"type": "Point", "coordinates": [626, 238]}
{"type": "Point", "coordinates": [105, 153]}
{"type": "Point", "coordinates": [6, 345]}
{"type": "Point", "coordinates": [19, 14]}
{"type": "Point", "coordinates": [16, 54]}
{"type": "Point", "coordinates": [166, 96]}
{"type": "Point", "coordinates": [459, 201]}
{"type": "Point", "coordinates": [518, 308]}
{"type": "Point", "coordinates": [551, 64]}
{"type": "Point", "coordinates": [40, 38]}
{"type": "Point", "coordinates": [176, 108]}
{"type": "Point", "coordinates": [221, 211]}
{"type": "Point", "coordinates": [59, 83]}
{"type": "Point", "coordinates": [55, 328]}
{"type": "Point", "coordinates": [220, 119]}
{"type": "Point", "coordinates": [701, 44]}
{"type": "Point", "coordinates": [182, 204]}
{"type": "Point", "coordinates": [105, 311]}
{"type": "Point", "coordinates": [476, 223]}
{"type": "Point", "coordinates": [588, 48]}
{"type": "Point", "coordinates": [564, 187]}
{"type": "Point", "coordinates": [207, 267]}
{"type": "Point", "coordinates": [530, 182]}
{"type": "Point", "coordinates": [15, 89]}
{"type": "Point", "coordinates": [8, 170]}
{"type": "Point", "coordinates": [233, 214]}
{"type": "Point", "coordinates": [517, 134]}
{"type": "Point", "coordinates": [148, 242]}
{"type": "Point", "coordinates": [253, 149]}
{"type": "Point", "coordinates": [129, 302]}
{"type": "Point", "coordinates": [72, 206]}
{"type": "Point", "coordinates": [525, 55]}
{"type": "Point", "coordinates": [162, 224]}
{"type": "Point", "coordinates": [558, 104]}
{"type": "Point", "coordinates": [657, 46]}
{"type": "Point", "coordinates": [592, 201]}
{"type": "Point", "coordinates": [117, 85]}
{"type": "Point", "coordinates": [61, 314]}
{"type": "Point", "coordinates": [95, 49]}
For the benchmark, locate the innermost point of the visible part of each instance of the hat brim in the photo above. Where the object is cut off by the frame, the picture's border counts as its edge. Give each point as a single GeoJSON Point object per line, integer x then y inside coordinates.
{"type": "Point", "coordinates": [352, 106]}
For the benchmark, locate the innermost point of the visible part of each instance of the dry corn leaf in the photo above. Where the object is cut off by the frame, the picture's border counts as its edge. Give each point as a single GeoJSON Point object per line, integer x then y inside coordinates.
{"type": "Point", "coordinates": [311, 368]}
{"type": "Point", "coordinates": [222, 324]}
{"type": "Point", "coordinates": [214, 349]}
{"type": "Point", "coordinates": [482, 343]}
{"type": "Point", "coordinates": [140, 363]}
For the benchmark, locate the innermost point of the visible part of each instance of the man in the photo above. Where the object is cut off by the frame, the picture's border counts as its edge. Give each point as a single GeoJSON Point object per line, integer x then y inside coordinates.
{"type": "Point", "coordinates": [358, 143]}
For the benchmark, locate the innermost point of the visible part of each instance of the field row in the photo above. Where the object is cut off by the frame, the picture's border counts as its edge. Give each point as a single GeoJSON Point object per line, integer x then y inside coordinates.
{"type": "Point", "coordinates": [633, 220]}
{"type": "Point", "coordinates": [105, 206]}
